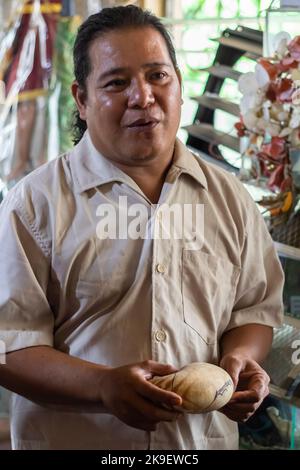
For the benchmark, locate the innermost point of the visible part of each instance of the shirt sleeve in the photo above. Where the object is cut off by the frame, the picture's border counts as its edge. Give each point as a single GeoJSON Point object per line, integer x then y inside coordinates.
{"type": "Point", "coordinates": [259, 291]}
{"type": "Point", "coordinates": [26, 318]}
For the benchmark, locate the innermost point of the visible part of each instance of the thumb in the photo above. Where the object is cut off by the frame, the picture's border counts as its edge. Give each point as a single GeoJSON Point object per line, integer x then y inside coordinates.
{"type": "Point", "coordinates": [259, 385]}
{"type": "Point", "coordinates": [233, 366]}
{"type": "Point", "coordinates": [156, 368]}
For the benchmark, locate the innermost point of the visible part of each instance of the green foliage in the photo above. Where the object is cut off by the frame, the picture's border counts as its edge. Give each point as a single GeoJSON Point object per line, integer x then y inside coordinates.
{"type": "Point", "coordinates": [200, 9]}
{"type": "Point", "coordinates": [63, 76]}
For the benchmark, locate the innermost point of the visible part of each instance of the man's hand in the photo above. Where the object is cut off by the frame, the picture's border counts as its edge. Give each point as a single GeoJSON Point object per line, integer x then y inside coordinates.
{"type": "Point", "coordinates": [127, 393]}
{"type": "Point", "coordinates": [251, 386]}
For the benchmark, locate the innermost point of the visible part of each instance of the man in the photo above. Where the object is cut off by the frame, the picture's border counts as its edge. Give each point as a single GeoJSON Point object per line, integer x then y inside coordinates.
{"type": "Point", "coordinates": [88, 313]}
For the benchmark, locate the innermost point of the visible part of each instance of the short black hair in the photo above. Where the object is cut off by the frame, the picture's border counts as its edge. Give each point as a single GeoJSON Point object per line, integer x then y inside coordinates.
{"type": "Point", "coordinates": [109, 19]}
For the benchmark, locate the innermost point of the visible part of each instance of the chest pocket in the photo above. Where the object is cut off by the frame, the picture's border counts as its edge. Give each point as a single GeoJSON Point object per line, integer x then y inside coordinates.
{"type": "Point", "coordinates": [106, 272]}
{"type": "Point", "coordinates": [208, 292]}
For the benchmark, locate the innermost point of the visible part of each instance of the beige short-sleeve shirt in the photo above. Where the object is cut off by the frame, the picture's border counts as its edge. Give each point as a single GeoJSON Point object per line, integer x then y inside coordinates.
{"type": "Point", "coordinates": [126, 299]}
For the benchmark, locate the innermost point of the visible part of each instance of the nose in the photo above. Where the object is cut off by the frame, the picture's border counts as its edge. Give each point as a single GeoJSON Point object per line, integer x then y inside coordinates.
{"type": "Point", "coordinates": [140, 94]}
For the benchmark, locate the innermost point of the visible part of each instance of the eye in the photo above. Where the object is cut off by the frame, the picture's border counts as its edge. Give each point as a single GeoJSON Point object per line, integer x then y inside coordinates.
{"type": "Point", "coordinates": [159, 75]}
{"type": "Point", "coordinates": [117, 83]}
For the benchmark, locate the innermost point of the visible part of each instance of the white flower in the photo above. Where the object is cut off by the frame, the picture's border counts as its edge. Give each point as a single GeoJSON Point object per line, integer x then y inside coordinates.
{"type": "Point", "coordinates": [247, 83]}
{"type": "Point", "coordinates": [262, 117]}
{"type": "Point", "coordinates": [247, 103]}
{"type": "Point", "coordinates": [272, 128]}
{"type": "Point", "coordinates": [295, 120]}
{"type": "Point", "coordinates": [285, 132]}
{"type": "Point", "coordinates": [254, 82]}
{"type": "Point", "coordinates": [283, 116]}
{"type": "Point", "coordinates": [250, 119]}
{"type": "Point", "coordinates": [280, 42]}
{"type": "Point", "coordinates": [262, 124]}
{"type": "Point", "coordinates": [261, 76]}
{"type": "Point", "coordinates": [252, 85]}
{"type": "Point", "coordinates": [266, 110]}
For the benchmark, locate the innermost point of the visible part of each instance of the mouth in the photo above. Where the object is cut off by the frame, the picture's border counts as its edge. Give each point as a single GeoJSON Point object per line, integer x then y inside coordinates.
{"type": "Point", "coordinates": [143, 124]}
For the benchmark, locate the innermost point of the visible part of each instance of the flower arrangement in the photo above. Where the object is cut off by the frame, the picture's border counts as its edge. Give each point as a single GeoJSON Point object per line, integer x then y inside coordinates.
{"type": "Point", "coordinates": [270, 117]}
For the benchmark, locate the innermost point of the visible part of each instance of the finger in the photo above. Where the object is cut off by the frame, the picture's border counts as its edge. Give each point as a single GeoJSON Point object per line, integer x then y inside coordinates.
{"type": "Point", "coordinates": [259, 384]}
{"type": "Point", "coordinates": [233, 366]}
{"type": "Point", "coordinates": [156, 368]}
{"type": "Point", "coordinates": [247, 374]}
{"type": "Point", "coordinates": [238, 417]}
{"type": "Point", "coordinates": [246, 396]}
{"type": "Point", "coordinates": [243, 407]}
{"type": "Point", "coordinates": [151, 413]}
{"type": "Point", "coordinates": [158, 395]}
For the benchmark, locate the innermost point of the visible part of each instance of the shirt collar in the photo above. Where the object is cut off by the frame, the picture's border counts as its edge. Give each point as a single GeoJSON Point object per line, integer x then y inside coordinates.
{"type": "Point", "coordinates": [90, 169]}
{"type": "Point", "coordinates": [188, 163]}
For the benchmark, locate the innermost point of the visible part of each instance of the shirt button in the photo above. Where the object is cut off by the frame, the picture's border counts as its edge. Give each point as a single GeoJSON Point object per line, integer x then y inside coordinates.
{"type": "Point", "coordinates": [160, 268]}
{"type": "Point", "coordinates": [160, 336]}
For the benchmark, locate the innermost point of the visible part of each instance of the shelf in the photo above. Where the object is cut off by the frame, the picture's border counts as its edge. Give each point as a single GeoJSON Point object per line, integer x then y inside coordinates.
{"type": "Point", "coordinates": [232, 45]}
{"type": "Point", "coordinates": [282, 368]}
{"type": "Point", "coordinates": [221, 71]}
{"type": "Point", "coordinates": [213, 101]}
{"type": "Point", "coordinates": [220, 163]}
{"type": "Point", "coordinates": [207, 133]}
{"type": "Point", "coordinates": [251, 56]}
{"type": "Point", "coordinates": [241, 44]}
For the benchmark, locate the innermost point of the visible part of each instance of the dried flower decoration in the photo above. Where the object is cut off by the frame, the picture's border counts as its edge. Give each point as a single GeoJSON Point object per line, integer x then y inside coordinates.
{"type": "Point", "coordinates": [270, 117]}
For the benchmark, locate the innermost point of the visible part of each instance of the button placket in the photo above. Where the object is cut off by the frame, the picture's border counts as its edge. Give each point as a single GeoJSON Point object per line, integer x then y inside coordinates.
{"type": "Point", "coordinates": [161, 268]}
{"type": "Point", "coordinates": [160, 336]}
{"type": "Point", "coordinates": [159, 277]}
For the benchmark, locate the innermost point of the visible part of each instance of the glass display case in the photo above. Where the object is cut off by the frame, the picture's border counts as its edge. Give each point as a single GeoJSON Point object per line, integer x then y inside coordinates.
{"type": "Point", "coordinates": [290, 261]}
{"type": "Point", "coordinates": [281, 16]}
{"type": "Point", "coordinates": [276, 425]}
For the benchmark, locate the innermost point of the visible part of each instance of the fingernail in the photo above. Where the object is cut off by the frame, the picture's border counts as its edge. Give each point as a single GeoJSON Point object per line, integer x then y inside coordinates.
{"type": "Point", "coordinates": [175, 401]}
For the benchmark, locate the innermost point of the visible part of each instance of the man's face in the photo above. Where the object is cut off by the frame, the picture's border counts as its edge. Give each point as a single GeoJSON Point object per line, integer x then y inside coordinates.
{"type": "Point", "coordinates": [133, 99]}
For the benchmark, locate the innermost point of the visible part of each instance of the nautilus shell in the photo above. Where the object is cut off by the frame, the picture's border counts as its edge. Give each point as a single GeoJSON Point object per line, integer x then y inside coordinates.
{"type": "Point", "coordinates": [203, 387]}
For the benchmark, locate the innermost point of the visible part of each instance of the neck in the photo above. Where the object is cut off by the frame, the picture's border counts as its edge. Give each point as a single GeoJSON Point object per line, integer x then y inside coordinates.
{"type": "Point", "coordinates": [150, 178]}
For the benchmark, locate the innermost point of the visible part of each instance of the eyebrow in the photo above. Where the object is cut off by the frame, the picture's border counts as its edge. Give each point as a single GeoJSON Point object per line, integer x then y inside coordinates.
{"type": "Point", "coordinates": [118, 70]}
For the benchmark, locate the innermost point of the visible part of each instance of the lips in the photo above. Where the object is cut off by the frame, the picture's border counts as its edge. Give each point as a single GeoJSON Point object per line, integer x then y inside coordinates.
{"type": "Point", "coordinates": [143, 124]}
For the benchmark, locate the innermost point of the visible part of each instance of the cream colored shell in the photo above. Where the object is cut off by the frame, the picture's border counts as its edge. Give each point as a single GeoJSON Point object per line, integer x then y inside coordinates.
{"type": "Point", "coordinates": [203, 387]}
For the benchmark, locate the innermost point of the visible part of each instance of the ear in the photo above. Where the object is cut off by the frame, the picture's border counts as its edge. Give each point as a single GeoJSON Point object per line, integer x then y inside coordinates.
{"type": "Point", "coordinates": [79, 96]}
{"type": "Point", "coordinates": [178, 73]}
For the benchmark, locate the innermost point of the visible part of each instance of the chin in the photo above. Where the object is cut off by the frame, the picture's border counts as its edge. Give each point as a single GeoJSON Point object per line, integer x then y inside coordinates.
{"type": "Point", "coordinates": [142, 155]}
{"type": "Point", "coordinates": [141, 158]}
{"type": "Point", "coordinates": [145, 156]}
